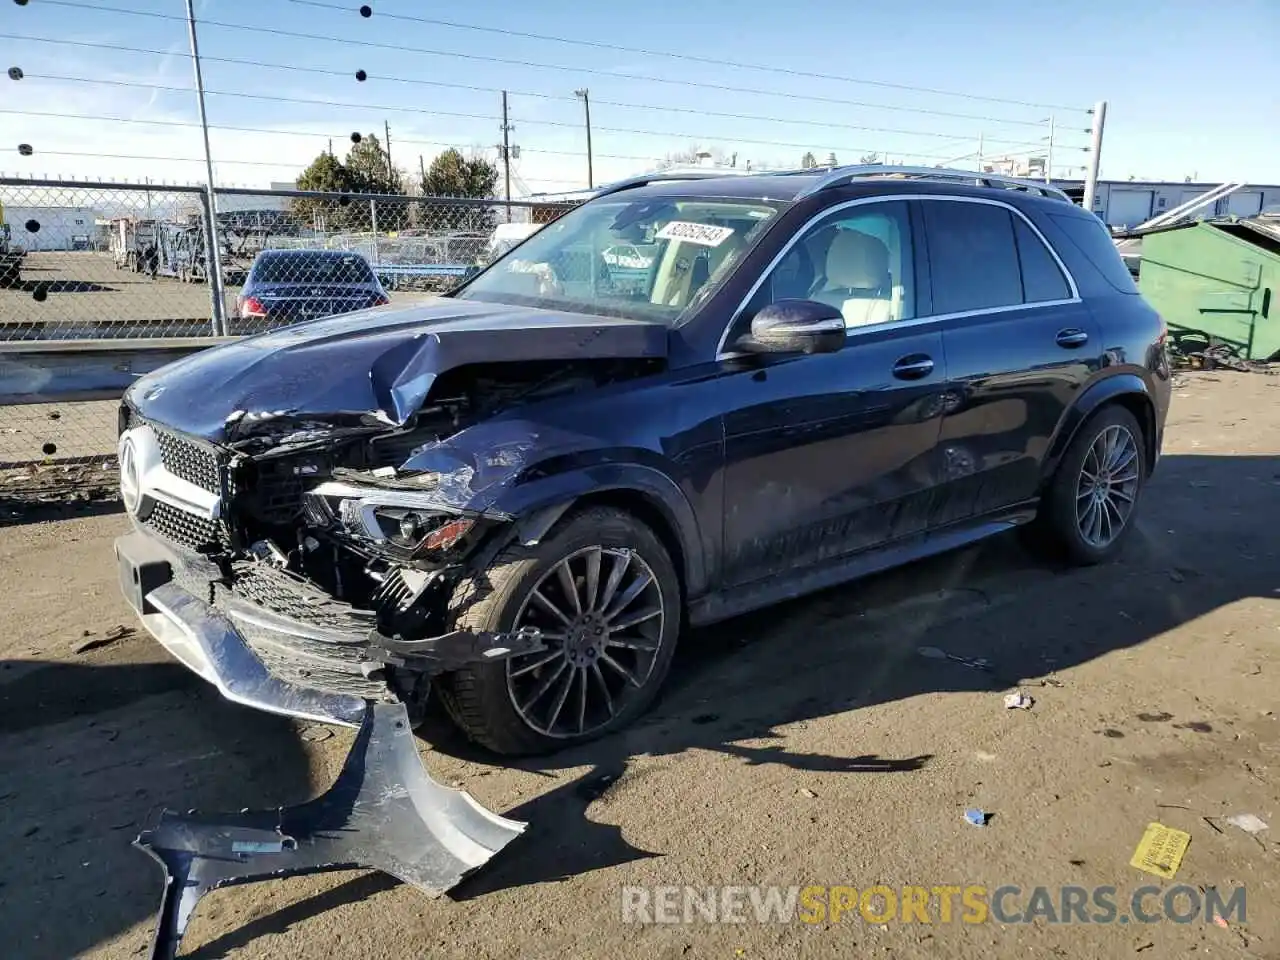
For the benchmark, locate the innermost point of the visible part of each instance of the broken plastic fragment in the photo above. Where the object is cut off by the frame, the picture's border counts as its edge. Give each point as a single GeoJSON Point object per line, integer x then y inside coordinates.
{"type": "Point", "coordinates": [384, 812]}
{"type": "Point", "coordinates": [1248, 822]}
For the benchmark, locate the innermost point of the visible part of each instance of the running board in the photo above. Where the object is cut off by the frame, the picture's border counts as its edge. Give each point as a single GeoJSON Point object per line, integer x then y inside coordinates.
{"type": "Point", "coordinates": [384, 812]}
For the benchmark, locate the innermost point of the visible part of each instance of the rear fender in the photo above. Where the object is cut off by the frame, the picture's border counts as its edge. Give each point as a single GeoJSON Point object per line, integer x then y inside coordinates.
{"type": "Point", "coordinates": [1127, 389]}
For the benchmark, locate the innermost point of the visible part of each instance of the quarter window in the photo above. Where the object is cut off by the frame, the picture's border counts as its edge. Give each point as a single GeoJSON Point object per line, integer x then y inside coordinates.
{"type": "Point", "coordinates": [973, 259]}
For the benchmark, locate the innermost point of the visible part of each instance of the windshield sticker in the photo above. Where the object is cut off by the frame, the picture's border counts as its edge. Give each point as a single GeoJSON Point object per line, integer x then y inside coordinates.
{"type": "Point", "coordinates": [703, 234]}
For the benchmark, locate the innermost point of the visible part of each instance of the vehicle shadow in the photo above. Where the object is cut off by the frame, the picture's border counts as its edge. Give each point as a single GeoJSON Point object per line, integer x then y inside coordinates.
{"type": "Point", "coordinates": [1205, 538]}
{"type": "Point", "coordinates": [90, 752]}
{"type": "Point", "coordinates": [15, 511]}
{"type": "Point", "coordinates": [42, 288]}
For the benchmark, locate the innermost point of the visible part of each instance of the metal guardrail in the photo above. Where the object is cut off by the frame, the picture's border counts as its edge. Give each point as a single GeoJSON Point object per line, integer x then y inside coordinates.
{"type": "Point", "coordinates": [78, 371]}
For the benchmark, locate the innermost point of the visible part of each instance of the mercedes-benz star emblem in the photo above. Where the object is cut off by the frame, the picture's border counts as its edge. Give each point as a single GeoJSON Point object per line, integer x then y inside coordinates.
{"type": "Point", "coordinates": [130, 477]}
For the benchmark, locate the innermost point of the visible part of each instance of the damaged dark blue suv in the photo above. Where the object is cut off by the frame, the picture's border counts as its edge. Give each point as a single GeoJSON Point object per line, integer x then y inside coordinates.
{"type": "Point", "coordinates": [683, 400]}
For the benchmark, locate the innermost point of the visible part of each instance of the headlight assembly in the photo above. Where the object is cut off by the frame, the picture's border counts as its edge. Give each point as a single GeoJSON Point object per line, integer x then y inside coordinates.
{"type": "Point", "coordinates": [400, 524]}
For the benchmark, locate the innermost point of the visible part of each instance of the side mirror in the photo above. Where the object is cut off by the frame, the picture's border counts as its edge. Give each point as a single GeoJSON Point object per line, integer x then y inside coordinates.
{"type": "Point", "coordinates": [795, 326]}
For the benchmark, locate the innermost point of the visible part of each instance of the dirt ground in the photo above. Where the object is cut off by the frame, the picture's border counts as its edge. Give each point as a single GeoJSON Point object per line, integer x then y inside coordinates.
{"type": "Point", "coordinates": [811, 744]}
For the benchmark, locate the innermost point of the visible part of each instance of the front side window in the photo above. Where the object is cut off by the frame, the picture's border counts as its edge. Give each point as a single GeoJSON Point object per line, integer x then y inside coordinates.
{"type": "Point", "coordinates": [858, 260]}
{"type": "Point", "coordinates": [973, 259]}
{"type": "Point", "coordinates": [647, 259]}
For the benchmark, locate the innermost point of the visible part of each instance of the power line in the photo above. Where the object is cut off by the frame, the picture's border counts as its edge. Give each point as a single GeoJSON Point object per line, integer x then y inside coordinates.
{"type": "Point", "coordinates": [134, 156]}
{"type": "Point", "coordinates": [525, 63]}
{"type": "Point", "coordinates": [713, 61]}
{"type": "Point", "coordinates": [295, 133]}
{"type": "Point", "coordinates": [530, 93]}
{"type": "Point", "coordinates": [667, 134]}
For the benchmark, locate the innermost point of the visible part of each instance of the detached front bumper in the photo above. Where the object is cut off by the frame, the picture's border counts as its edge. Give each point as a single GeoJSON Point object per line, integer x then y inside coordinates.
{"type": "Point", "coordinates": [325, 671]}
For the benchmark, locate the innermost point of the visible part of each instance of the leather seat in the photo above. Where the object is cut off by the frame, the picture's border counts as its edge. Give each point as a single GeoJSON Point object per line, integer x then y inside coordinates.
{"type": "Point", "coordinates": [857, 279]}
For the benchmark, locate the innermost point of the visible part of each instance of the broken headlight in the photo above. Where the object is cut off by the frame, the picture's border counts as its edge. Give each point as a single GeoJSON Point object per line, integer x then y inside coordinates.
{"type": "Point", "coordinates": [400, 524]}
{"type": "Point", "coordinates": [404, 527]}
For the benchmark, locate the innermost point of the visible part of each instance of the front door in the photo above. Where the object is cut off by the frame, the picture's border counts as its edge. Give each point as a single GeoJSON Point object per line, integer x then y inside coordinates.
{"type": "Point", "coordinates": [834, 453]}
{"type": "Point", "coordinates": [1019, 343]}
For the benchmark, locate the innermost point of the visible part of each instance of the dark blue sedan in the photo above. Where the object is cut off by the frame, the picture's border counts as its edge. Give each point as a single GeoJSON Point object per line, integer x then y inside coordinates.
{"type": "Point", "coordinates": [289, 286]}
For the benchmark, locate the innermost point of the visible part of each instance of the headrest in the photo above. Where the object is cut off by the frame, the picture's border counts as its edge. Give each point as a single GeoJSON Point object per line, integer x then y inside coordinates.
{"type": "Point", "coordinates": [857, 261]}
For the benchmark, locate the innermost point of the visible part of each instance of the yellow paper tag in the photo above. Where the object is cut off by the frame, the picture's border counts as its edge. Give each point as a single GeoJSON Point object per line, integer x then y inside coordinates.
{"type": "Point", "coordinates": [1160, 851]}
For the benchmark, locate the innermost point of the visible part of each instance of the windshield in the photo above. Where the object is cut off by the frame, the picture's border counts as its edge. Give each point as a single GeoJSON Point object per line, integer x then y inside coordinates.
{"type": "Point", "coordinates": [645, 259]}
{"type": "Point", "coordinates": [312, 268]}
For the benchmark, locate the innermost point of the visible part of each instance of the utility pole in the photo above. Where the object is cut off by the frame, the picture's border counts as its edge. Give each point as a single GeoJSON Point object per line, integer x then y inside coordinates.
{"type": "Point", "coordinates": [213, 256]}
{"type": "Point", "coordinates": [386, 129]}
{"type": "Point", "coordinates": [422, 169]}
{"type": "Point", "coordinates": [585, 95]}
{"type": "Point", "coordinates": [331, 146]}
{"type": "Point", "coordinates": [979, 152]}
{"type": "Point", "coordinates": [1048, 165]}
{"type": "Point", "coordinates": [506, 152]}
{"type": "Point", "coordinates": [1095, 154]}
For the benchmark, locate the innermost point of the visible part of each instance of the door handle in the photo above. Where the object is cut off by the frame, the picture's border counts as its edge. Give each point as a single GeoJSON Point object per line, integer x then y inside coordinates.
{"type": "Point", "coordinates": [913, 367]}
{"type": "Point", "coordinates": [1072, 338]}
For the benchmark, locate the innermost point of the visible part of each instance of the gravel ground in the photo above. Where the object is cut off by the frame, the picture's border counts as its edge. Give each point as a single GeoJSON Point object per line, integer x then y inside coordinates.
{"type": "Point", "coordinates": [810, 744]}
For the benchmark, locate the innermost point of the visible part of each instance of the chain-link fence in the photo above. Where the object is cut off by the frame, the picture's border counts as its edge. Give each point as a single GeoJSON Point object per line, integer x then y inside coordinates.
{"type": "Point", "coordinates": [130, 264]}
{"type": "Point", "coordinates": [100, 261]}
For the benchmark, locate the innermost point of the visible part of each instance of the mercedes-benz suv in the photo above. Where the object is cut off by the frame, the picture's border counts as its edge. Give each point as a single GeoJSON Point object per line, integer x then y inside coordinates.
{"type": "Point", "coordinates": [683, 400]}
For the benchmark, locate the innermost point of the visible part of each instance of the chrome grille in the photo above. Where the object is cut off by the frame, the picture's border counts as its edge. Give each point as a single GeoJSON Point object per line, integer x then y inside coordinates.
{"type": "Point", "coordinates": [189, 460]}
{"type": "Point", "coordinates": [185, 529]}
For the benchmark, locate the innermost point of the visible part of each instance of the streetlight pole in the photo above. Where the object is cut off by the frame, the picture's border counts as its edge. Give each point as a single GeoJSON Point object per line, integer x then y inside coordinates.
{"type": "Point", "coordinates": [585, 94]}
{"type": "Point", "coordinates": [213, 259]}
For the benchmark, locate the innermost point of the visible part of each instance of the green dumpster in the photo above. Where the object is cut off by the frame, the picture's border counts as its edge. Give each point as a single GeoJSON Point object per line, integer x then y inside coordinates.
{"type": "Point", "coordinates": [1217, 277]}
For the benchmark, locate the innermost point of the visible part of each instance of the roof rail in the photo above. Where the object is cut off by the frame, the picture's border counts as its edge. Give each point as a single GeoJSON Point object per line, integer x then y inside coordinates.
{"type": "Point", "coordinates": [843, 176]}
{"type": "Point", "coordinates": [644, 179]}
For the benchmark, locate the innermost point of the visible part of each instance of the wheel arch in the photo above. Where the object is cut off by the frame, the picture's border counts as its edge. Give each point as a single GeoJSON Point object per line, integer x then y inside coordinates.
{"type": "Point", "coordinates": [647, 494]}
{"type": "Point", "coordinates": [1122, 389]}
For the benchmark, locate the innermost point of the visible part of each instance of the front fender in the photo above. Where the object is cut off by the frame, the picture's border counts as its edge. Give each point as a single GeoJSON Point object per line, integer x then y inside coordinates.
{"type": "Point", "coordinates": [540, 502]}
{"type": "Point", "coordinates": [1110, 389]}
{"type": "Point", "coordinates": [533, 472]}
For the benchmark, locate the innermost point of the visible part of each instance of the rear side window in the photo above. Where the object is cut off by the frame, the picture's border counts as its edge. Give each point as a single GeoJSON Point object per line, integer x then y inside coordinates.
{"type": "Point", "coordinates": [973, 258]}
{"type": "Point", "coordinates": [312, 268]}
{"type": "Point", "coordinates": [1096, 244]}
{"type": "Point", "coordinates": [1042, 279]}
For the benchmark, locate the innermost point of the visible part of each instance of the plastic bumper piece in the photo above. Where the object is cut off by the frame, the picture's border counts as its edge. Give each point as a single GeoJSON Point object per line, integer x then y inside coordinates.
{"type": "Point", "coordinates": [383, 812]}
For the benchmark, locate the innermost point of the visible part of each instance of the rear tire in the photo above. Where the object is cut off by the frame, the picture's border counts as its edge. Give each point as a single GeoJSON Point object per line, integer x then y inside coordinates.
{"type": "Point", "coordinates": [601, 670]}
{"type": "Point", "coordinates": [1088, 510]}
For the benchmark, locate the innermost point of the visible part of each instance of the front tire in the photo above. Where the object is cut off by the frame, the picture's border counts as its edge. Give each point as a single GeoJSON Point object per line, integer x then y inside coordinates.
{"type": "Point", "coordinates": [605, 593]}
{"type": "Point", "coordinates": [1089, 507]}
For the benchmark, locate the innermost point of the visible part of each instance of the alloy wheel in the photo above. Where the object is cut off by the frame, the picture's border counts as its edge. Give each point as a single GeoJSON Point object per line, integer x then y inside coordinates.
{"type": "Point", "coordinates": [1108, 486]}
{"type": "Point", "coordinates": [601, 614]}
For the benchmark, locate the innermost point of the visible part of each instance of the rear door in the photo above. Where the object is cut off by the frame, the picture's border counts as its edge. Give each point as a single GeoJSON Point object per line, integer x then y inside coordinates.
{"type": "Point", "coordinates": [1019, 343]}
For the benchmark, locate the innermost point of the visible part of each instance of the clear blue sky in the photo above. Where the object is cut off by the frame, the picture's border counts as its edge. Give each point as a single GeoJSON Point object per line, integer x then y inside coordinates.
{"type": "Point", "coordinates": [1176, 107]}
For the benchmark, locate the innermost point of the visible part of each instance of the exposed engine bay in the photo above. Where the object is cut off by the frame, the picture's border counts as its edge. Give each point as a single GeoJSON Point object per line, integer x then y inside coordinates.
{"type": "Point", "coordinates": [330, 523]}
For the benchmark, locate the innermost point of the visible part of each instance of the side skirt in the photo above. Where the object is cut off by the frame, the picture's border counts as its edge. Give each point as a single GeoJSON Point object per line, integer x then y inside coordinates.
{"type": "Point", "coordinates": [773, 590]}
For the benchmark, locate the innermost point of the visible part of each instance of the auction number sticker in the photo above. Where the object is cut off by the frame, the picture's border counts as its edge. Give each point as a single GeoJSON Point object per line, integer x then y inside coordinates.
{"type": "Point", "coordinates": [705, 234]}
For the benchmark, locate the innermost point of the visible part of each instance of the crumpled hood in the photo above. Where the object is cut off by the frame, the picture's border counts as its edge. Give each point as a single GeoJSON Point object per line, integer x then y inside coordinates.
{"type": "Point", "coordinates": [373, 366]}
